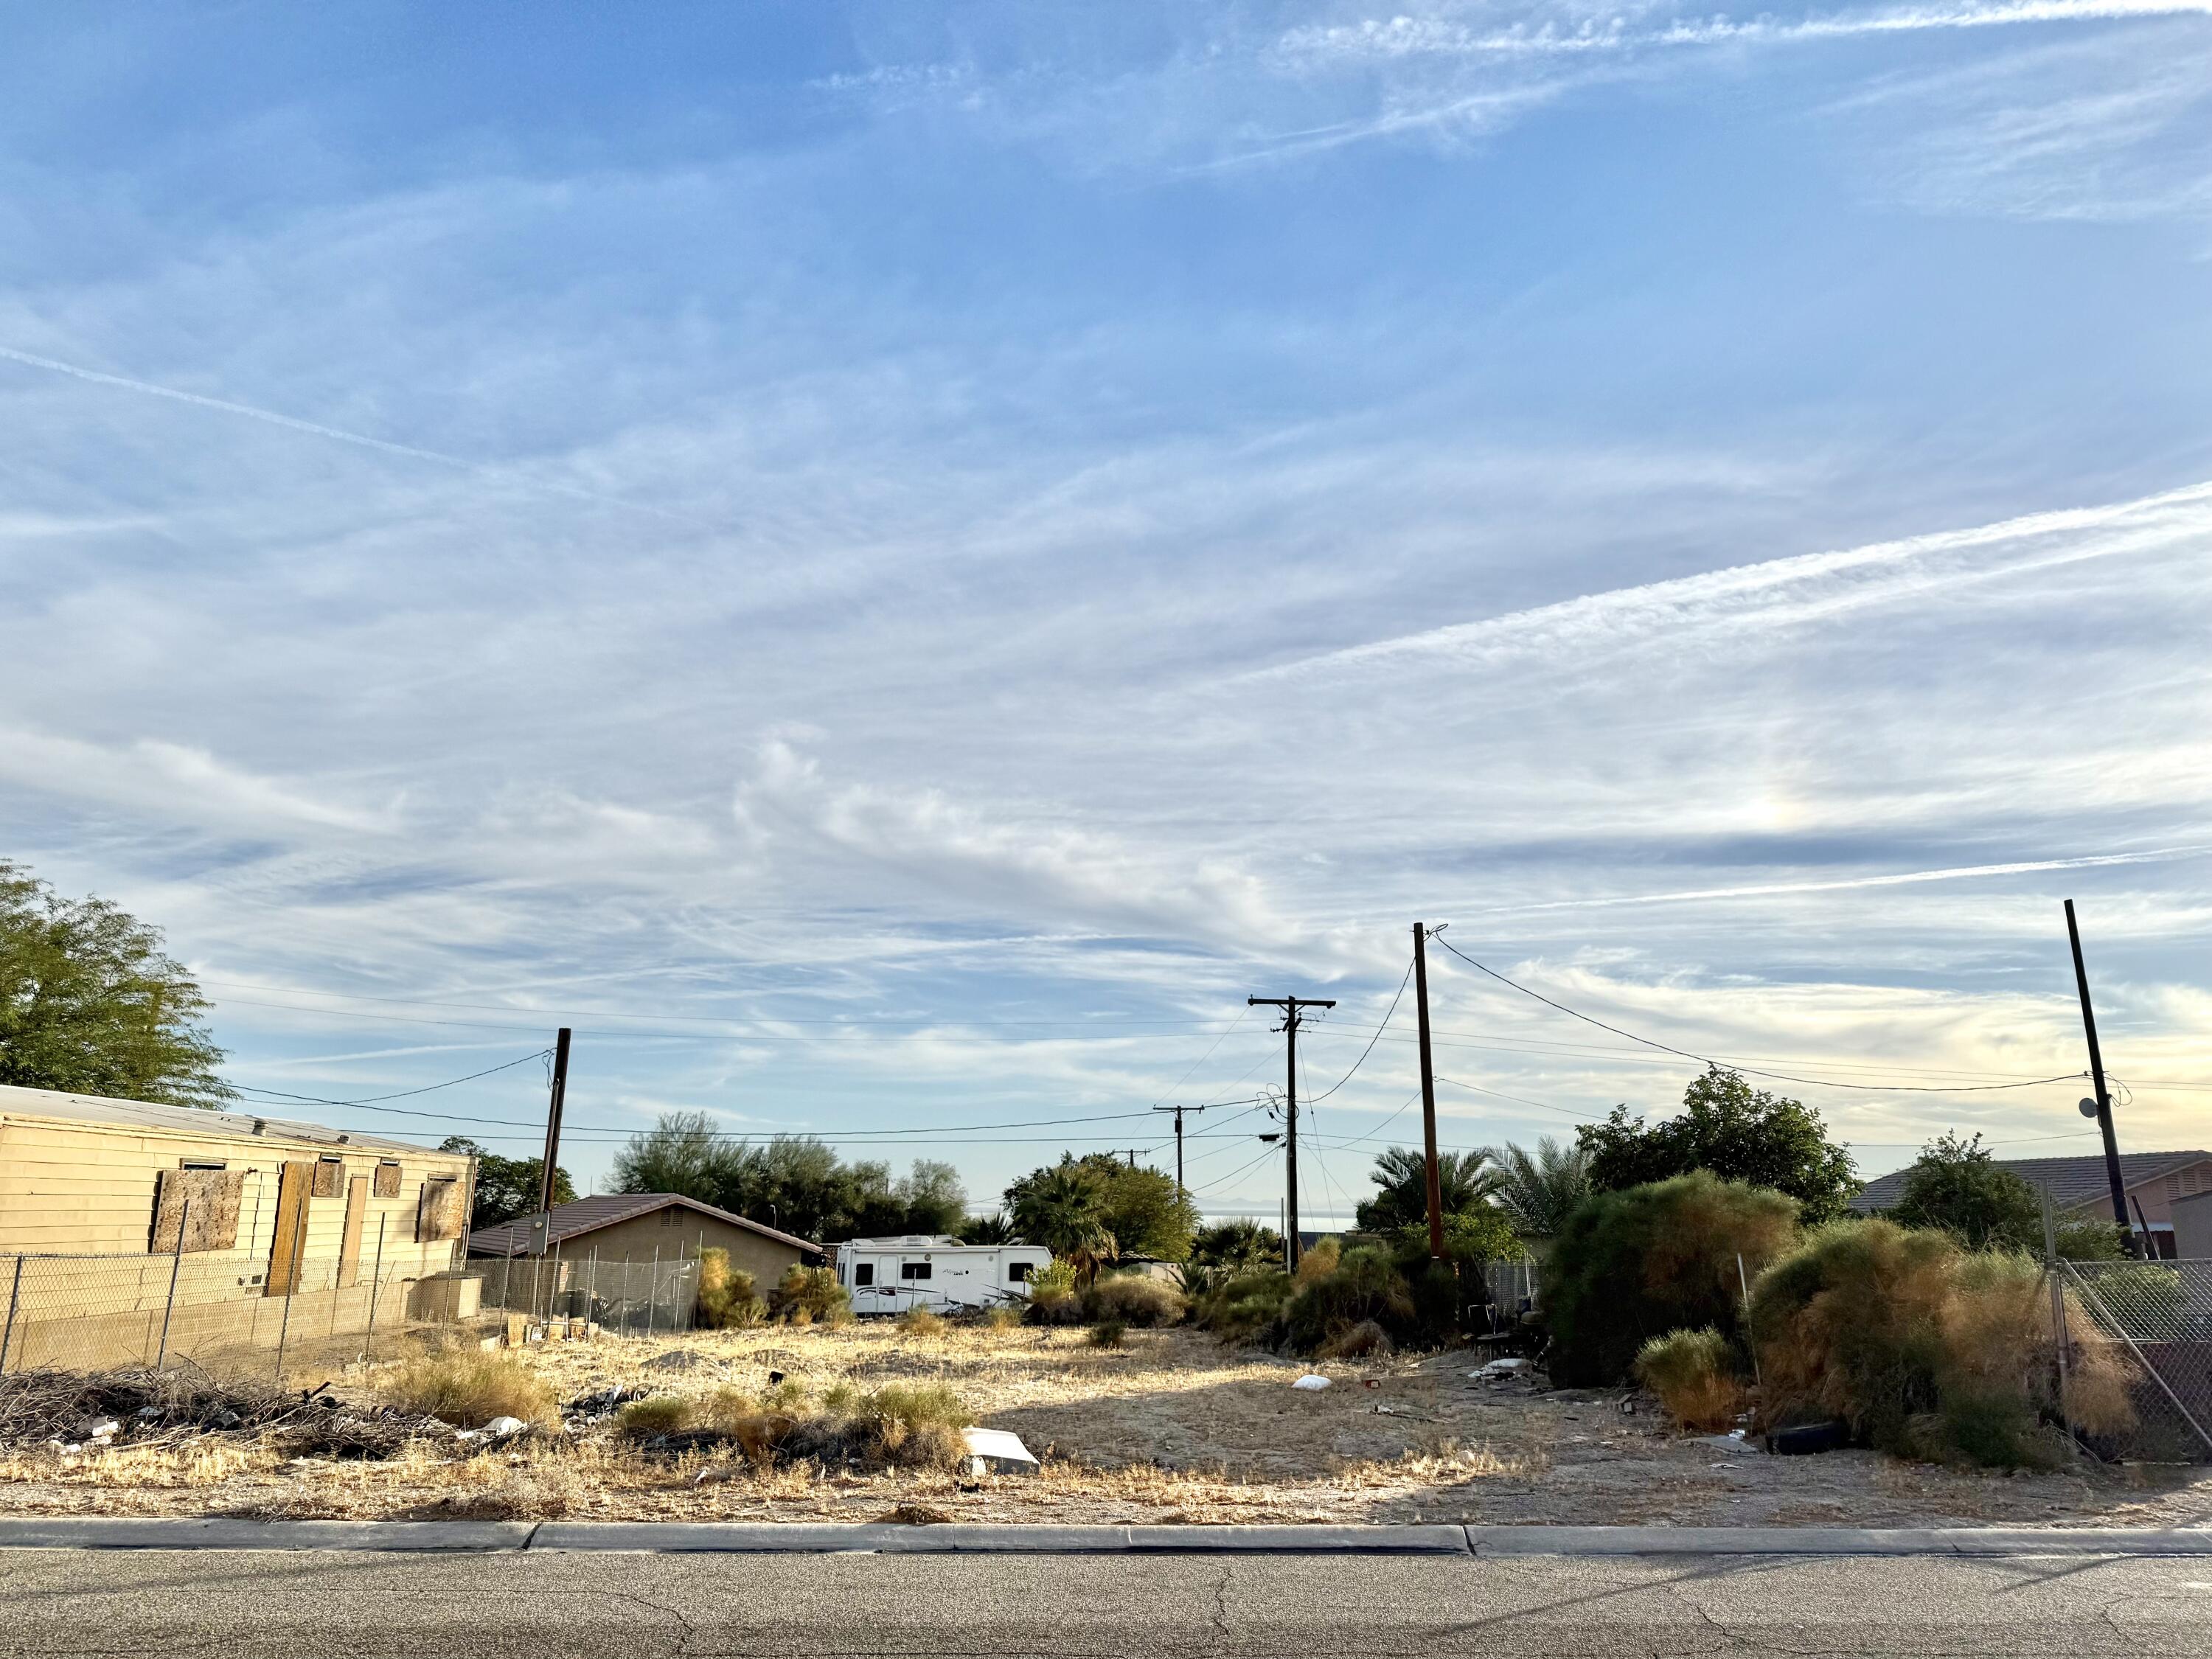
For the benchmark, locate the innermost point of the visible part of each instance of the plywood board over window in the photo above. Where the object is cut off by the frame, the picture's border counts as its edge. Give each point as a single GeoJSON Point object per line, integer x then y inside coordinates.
{"type": "Point", "coordinates": [329, 1177]}
{"type": "Point", "coordinates": [201, 1203]}
{"type": "Point", "coordinates": [387, 1178]}
{"type": "Point", "coordinates": [438, 1214]}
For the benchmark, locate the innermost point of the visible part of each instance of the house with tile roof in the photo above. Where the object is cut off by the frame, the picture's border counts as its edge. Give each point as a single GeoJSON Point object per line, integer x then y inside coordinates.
{"type": "Point", "coordinates": [2079, 1190]}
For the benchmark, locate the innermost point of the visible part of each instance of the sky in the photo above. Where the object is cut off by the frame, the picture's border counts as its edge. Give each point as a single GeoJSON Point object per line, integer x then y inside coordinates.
{"type": "Point", "coordinates": [891, 564]}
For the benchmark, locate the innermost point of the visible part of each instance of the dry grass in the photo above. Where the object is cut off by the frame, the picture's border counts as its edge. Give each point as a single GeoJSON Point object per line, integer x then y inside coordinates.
{"type": "Point", "coordinates": [1693, 1374]}
{"type": "Point", "coordinates": [468, 1387]}
{"type": "Point", "coordinates": [1174, 1426]}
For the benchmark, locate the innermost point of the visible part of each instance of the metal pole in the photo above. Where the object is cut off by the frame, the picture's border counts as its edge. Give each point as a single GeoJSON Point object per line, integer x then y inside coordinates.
{"type": "Point", "coordinates": [2058, 1341]}
{"type": "Point", "coordinates": [592, 1290]}
{"type": "Point", "coordinates": [284, 1328]}
{"type": "Point", "coordinates": [1435, 1181]}
{"type": "Point", "coordinates": [1750, 1336]}
{"type": "Point", "coordinates": [7, 1331]}
{"type": "Point", "coordinates": [184, 1219]}
{"type": "Point", "coordinates": [2097, 1076]}
{"type": "Point", "coordinates": [375, 1290]}
{"type": "Point", "coordinates": [653, 1290]}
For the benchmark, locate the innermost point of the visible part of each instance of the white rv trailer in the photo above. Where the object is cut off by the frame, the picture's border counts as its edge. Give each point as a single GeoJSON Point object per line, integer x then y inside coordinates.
{"type": "Point", "coordinates": [890, 1275]}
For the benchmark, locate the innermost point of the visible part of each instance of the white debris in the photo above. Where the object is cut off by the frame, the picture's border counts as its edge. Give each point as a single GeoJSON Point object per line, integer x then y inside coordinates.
{"type": "Point", "coordinates": [990, 1449]}
{"type": "Point", "coordinates": [1498, 1368]}
{"type": "Point", "coordinates": [105, 1430]}
{"type": "Point", "coordinates": [1311, 1383]}
{"type": "Point", "coordinates": [499, 1427]}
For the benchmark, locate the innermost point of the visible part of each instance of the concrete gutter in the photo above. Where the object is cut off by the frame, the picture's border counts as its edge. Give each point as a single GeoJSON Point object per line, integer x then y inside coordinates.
{"type": "Point", "coordinates": [70, 1532]}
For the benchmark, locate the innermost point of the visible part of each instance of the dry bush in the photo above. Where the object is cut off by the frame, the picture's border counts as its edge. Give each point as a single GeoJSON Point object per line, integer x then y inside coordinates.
{"type": "Point", "coordinates": [1632, 1265]}
{"type": "Point", "coordinates": [1363, 1341]}
{"type": "Point", "coordinates": [1247, 1307]}
{"type": "Point", "coordinates": [1365, 1285]}
{"type": "Point", "coordinates": [1001, 1318]}
{"type": "Point", "coordinates": [1052, 1297]}
{"type": "Point", "coordinates": [1320, 1261]}
{"type": "Point", "coordinates": [728, 1298]}
{"type": "Point", "coordinates": [922, 1321]}
{"type": "Point", "coordinates": [1694, 1375]}
{"type": "Point", "coordinates": [807, 1294]}
{"type": "Point", "coordinates": [1107, 1333]}
{"type": "Point", "coordinates": [902, 1425]}
{"type": "Point", "coordinates": [468, 1387]}
{"type": "Point", "coordinates": [1133, 1299]}
{"type": "Point", "coordinates": [1926, 1349]}
{"type": "Point", "coordinates": [659, 1414]}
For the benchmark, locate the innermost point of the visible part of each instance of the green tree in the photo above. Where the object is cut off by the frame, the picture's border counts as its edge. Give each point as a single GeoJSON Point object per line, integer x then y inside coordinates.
{"type": "Point", "coordinates": [1063, 1208]}
{"type": "Point", "coordinates": [681, 1153]}
{"type": "Point", "coordinates": [995, 1229]}
{"type": "Point", "coordinates": [506, 1186]}
{"type": "Point", "coordinates": [1402, 1196]}
{"type": "Point", "coordinates": [933, 1198]}
{"type": "Point", "coordinates": [1739, 1133]}
{"type": "Point", "coordinates": [1957, 1186]}
{"type": "Point", "coordinates": [1240, 1246]}
{"type": "Point", "coordinates": [793, 1183]}
{"type": "Point", "coordinates": [1538, 1190]}
{"type": "Point", "coordinates": [90, 1004]}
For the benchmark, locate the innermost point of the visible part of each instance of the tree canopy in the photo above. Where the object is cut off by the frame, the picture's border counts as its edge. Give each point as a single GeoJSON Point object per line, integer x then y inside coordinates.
{"type": "Point", "coordinates": [1401, 1194]}
{"type": "Point", "coordinates": [795, 1183]}
{"type": "Point", "coordinates": [1538, 1190]}
{"type": "Point", "coordinates": [1240, 1245]}
{"type": "Point", "coordinates": [506, 1186]}
{"type": "Point", "coordinates": [89, 1002]}
{"type": "Point", "coordinates": [1101, 1210]}
{"type": "Point", "coordinates": [1954, 1184]}
{"type": "Point", "coordinates": [1736, 1132]}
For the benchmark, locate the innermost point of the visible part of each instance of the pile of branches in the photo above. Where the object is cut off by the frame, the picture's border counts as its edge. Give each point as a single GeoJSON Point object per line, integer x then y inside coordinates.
{"type": "Point", "coordinates": [163, 1407]}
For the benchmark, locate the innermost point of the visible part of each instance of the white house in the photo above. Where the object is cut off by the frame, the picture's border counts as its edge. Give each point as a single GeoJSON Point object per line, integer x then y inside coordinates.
{"type": "Point", "coordinates": [890, 1275]}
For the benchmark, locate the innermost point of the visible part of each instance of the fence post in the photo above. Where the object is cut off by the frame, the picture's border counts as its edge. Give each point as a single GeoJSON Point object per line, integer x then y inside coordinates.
{"type": "Point", "coordinates": [627, 1282]}
{"type": "Point", "coordinates": [2059, 1340]}
{"type": "Point", "coordinates": [653, 1291]}
{"type": "Point", "coordinates": [284, 1329]}
{"type": "Point", "coordinates": [375, 1290]}
{"type": "Point", "coordinates": [1750, 1336]}
{"type": "Point", "coordinates": [7, 1331]}
{"type": "Point", "coordinates": [592, 1291]}
{"type": "Point", "coordinates": [176, 1263]}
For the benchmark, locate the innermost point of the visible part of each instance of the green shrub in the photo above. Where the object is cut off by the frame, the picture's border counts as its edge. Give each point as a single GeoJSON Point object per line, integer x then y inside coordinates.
{"type": "Point", "coordinates": [1632, 1265]}
{"type": "Point", "coordinates": [1245, 1308]}
{"type": "Point", "coordinates": [1694, 1375]}
{"type": "Point", "coordinates": [1365, 1285]}
{"type": "Point", "coordinates": [1107, 1333]}
{"type": "Point", "coordinates": [728, 1299]}
{"type": "Point", "coordinates": [659, 1414]}
{"type": "Point", "coordinates": [2146, 1297]}
{"type": "Point", "coordinates": [807, 1294]}
{"type": "Point", "coordinates": [1052, 1294]}
{"type": "Point", "coordinates": [468, 1387]}
{"type": "Point", "coordinates": [1132, 1299]}
{"type": "Point", "coordinates": [1926, 1349]}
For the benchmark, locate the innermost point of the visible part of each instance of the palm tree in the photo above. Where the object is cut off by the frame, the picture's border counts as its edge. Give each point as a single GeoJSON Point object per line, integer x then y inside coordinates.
{"type": "Point", "coordinates": [1062, 1208]}
{"type": "Point", "coordinates": [1538, 1190]}
{"type": "Point", "coordinates": [1402, 1196]}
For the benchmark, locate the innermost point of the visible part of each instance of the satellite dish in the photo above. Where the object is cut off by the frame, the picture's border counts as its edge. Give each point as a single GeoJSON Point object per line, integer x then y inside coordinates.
{"type": "Point", "coordinates": [2088, 1109]}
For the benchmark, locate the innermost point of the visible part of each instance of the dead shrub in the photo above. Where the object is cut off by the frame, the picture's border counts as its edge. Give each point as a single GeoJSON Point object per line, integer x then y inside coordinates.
{"type": "Point", "coordinates": [1365, 1340]}
{"type": "Point", "coordinates": [1926, 1349]}
{"type": "Point", "coordinates": [1001, 1318]}
{"type": "Point", "coordinates": [1319, 1262]}
{"type": "Point", "coordinates": [903, 1425]}
{"type": "Point", "coordinates": [659, 1414]}
{"type": "Point", "coordinates": [923, 1321]}
{"type": "Point", "coordinates": [805, 1295]}
{"type": "Point", "coordinates": [728, 1298]}
{"type": "Point", "coordinates": [1133, 1299]}
{"type": "Point", "coordinates": [1107, 1333]}
{"type": "Point", "coordinates": [1694, 1375]}
{"type": "Point", "coordinates": [468, 1387]}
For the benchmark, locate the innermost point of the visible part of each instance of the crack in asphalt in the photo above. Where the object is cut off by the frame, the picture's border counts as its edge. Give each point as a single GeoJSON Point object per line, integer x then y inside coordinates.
{"type": "Point", "coordinates": [1221, 1610]}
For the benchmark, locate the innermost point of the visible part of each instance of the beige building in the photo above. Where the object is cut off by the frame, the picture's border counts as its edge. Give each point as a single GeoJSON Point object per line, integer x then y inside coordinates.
{"type": "Point", "coordinates": [639, 1228]}
{"type": "Point", "coordinates": [119, 1217]}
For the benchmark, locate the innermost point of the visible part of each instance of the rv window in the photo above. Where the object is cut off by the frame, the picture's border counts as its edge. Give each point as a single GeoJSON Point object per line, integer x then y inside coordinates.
{"type": "Point", "coordinates": [864, 1274]}
{"type": "Point", "coordinates": [913, 1270]}
{"type": "Point", "coordinates": [1018, 1273]}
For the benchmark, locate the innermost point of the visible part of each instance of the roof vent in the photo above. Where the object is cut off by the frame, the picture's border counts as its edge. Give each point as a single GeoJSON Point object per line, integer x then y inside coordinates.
{"type": "Point", "coordinates": [259, 1124]}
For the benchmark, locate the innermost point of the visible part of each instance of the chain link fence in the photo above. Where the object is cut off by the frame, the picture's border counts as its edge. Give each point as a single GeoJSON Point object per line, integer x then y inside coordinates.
{"type": "Point", "coordinates": [628, 1295]}
{"type": "Point", "coordinates": [87, 1313]}
{"type": "Point", "coordinates": [2153, 1321]}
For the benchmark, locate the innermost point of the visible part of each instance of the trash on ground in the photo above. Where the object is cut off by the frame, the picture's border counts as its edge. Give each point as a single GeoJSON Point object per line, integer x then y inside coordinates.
{"type": "Point", "coordinates": [1809, 1437]}
{"type": "Point", "coordinates": [1733, 1441]}
{"type": "Point", "coordinates": [1311, 1383]}
{"type": "Point", "coordinates": [1498, 1368]}
{"type": "Point", "coordinates": [992, 1451]}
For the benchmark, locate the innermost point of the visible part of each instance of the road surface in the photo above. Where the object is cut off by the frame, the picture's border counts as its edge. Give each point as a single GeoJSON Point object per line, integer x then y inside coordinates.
{"type": "Point", "coordinates": [546, 1605]}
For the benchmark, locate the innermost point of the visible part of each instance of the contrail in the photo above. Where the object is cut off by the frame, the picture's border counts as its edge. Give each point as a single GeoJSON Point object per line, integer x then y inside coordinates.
{"type": "Point", "coordinates": [314, 429]}
{"type": "Point", "coordinates": [1961, 872]}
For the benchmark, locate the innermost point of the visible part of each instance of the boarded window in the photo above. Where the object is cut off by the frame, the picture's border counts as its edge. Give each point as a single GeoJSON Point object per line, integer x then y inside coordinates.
{"type": "Point", "coordinates": [387, 1178]}
{"type": "Point", "coordinates": [438, 1214]}
{"type": "Point", "coordinates": [913, 1270]}
{"type": "Point", "coordinates": [203, 1203]}
{"type": "Point", "coordinates": [329, 1177]}
{"type": "Point", "coordinates": [864, 1274]}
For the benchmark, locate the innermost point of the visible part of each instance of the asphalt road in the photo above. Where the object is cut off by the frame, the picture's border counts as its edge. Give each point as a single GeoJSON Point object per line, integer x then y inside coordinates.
{"type": "Point", "coordinates": [294, 1605]}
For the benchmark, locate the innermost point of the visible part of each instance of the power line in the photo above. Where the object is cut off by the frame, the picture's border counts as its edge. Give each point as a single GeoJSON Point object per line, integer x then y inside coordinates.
{"type": "Point", "coordinates": [1780, 1077]}
{"type": "Point", "coordinates": [1371, 1042]}
{"type": "Point", "coordinates": [404, 1094]}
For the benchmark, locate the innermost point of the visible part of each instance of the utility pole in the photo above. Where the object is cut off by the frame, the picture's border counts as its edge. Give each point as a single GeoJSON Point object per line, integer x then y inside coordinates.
{"type": "Point", "coordinates": [1179, 1111]}
{"type": "Point", "coordinates": [1436, 1190]}
{"type": "Point", "coordinates": [2104, 1097]}
{"type": "Point", "coordinates": [553, 1124]}
{"type": "Point", "coordinates": [1289, 1005]}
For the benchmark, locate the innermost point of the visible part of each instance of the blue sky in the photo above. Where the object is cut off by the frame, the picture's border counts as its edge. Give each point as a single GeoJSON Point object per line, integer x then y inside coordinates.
{"type": "Point", "coordinates": [892, 564]}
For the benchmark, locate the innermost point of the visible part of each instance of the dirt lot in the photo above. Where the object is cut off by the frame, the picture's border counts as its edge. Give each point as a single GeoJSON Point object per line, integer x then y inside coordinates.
{"type": "Point", "coordinates": [1172, 1427]}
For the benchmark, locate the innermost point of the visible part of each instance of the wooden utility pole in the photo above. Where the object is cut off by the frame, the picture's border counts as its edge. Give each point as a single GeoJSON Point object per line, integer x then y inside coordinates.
{"type": "Point", "coordinates": [1289, 1005]}
{"type": "Point", "coordinates": [1436, 1189]}
{"type": "Point", "coordinates": [2104, 1097]}
{"type": "Point", "coordinates": [553, 1124]}
{"type": "Point", "coordinates": [1179, 1111]}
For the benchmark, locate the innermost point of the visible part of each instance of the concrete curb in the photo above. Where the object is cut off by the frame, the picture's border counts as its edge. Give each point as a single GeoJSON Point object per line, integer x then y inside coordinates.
{"type": "Point", "coordinates": [487, 1537]}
